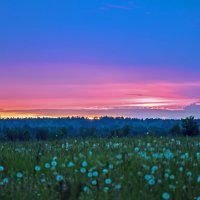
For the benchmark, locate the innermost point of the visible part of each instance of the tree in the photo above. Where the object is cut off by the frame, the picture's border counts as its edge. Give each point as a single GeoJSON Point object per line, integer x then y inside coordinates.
{"type": "Point", "coordinates": [175, 130]}
{"type": "Point", "coordinates": [190, 126]}
{"type": "Point", "coordinates": [42, 133]}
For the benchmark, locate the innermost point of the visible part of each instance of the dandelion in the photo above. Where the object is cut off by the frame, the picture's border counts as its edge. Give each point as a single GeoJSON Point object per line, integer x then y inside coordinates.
{"type": "Point", "coordinates": [37, 168]}
{"type": "Point", "coordinates": [95, 174]}
{"type": "Point", "coordinates": [71, 164]}
{"type": "Point", "coordinates": [83, 170]}
{"type": "Point", "coordinates": [172, 177]}
{"type": "Point", "coordinates": [136, 149]}
{"type": "Point", "coordinates": [84, 164]}
{"type": "Point", "coordinates": [147, 177]}
{"type": "Point", "coordinates": [86, 189]}
{"type": "Point", "coordinates": [5, 180]}
{"type": "Point", "coordinates": [152, 181]}
{"type": "Point", "coordinates": [165, 196]}
{"type": "Point", "coordinates": [105, 171]}
{"type": "Point", "coordinates": [47, 165]}
{"type": "Point", "coordinates": [118, 187]}
{"type": "Point", "coordinates": [166, 175]}
{"type": "Point", "coordinates": [106, 189]}
{"type": "Point", "coordinates": [119, 156]}
{"type": "Point", "coordinates": [89, 174]}
{"type": "Point", "coordinates": [154, 169]}
{"type": "Point", "coordinates": [111, 166]}
{"type": "Point", "coordinates": [189, 173]}
{"type": "Point", "coordinates": [198, 179]}
{"type": "Point", "coordinates": [1, 168]}
{"type": "Point", "coordinates": [53, 163]}
{"type": "Point", "coordinates": [108, 181]}
{"type": "Point", "coordinates": [19, 175]}
{"type": "Point", "coordinates": [180, 169]}
{"type": "Point", "coordinates": [59, 178]}
{"type": "Point", "coordinates": [94, 182]}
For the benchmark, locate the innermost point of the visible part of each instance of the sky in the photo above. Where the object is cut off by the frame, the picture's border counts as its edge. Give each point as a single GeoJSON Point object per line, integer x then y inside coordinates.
{"type": "Point", "coordinates": [136, 58]}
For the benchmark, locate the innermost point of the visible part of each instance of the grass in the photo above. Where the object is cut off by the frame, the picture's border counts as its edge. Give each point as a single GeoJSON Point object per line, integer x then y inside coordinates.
{"type": "Point", "coordinates": [132, 168]}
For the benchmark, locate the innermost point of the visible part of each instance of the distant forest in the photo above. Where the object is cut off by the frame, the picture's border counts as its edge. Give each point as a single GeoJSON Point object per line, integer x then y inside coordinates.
{"type": "Point", "coordinates": [60, 128]}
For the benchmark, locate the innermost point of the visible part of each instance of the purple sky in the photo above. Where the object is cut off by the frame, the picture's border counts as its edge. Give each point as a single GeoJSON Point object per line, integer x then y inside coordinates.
{"type": "Point", "coordinates": [130, 58]}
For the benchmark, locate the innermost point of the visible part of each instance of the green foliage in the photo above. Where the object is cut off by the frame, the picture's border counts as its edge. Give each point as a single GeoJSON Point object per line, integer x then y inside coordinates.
{"type": "Point", "coordinates": [10, 134]}
{"type": "Point", "coordinates": [119, 168]}
{"type": "Point", "coordinates": [88, 132]}
{"type": "Point", "coordinates": [42, 133]}
{"type": "Point", "coordinates": [190, 126]}
{"type": "Point", "coordinates": [175, 130]}
{"type": "Point", "coordinates": [120, 132]}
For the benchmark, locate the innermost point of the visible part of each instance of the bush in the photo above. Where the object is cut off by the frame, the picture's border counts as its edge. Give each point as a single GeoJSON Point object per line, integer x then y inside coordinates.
{"type": "Point", "coordinates": [190, 126]}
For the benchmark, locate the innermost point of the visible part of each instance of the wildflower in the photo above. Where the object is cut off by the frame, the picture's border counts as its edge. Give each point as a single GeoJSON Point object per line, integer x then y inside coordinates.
{"type": "Point", "coordinates": [147, 177]}
{"type": "Point", "coordinates": [108, 181]}
{"type": "Point", "coordinates": [151, 181]}
{"type": "Point", "coordinates": [198, 179]}
{"type": "Point", "coordinates": [119, 156]}
{"type": "Point", "coordinates": [70, 164]}
{"type": "Point", "coordinates": [180, 169]}
{"type": "Point", "coordinates": [55, 158]}
{"type": "Point", "coordinates": [86, 189]}
{"type": "Point", "coordinates": [47, 165]}
{"type": "Point", "coordinates": [111, 166]}
{"type": "Point", "coordinates": [136, 149]}
{"type": "Point", "coordinates": [5, 180]}
{"type": "Point", "coordinates": [154, 169]}
{"type": "Point", "coordinates": [84, 164]}
{"type": "Point", "coordinates": [172, 177]}
{"type": "Point", "coordinates": [94, 182]}
{"type": "Point", "coordinates": [118, 186]}
{"type": "Point", "coordinates": [166, 175]}
{"type": "Point", "coordinates": [106, 189]}
{"type": "Point", "coordinates": [198, 198]}
{"type": "Point", "coordinates": [165, 196]}
{"type": "Point", "coordinates": [1, 168]}
{"type": "Point", "coordinates": [53, 163]}
{"type": "Point", "coordinates": [189, 173]}
{"type": "Point", "coordinates": [19, 175]}
{"type": "Point", "coordinates": [169, 155]}
{"type": "Point", "coordinates": [105, 171]}
{"type": "Point", "coordinates": [83, 170]}
{"type": "Point", "coordinates": [37, 168]}
{"type": "Point", "coordinates": [95, 174]}
{"type": "Point", "coordinates": [59, 178]}
{"type": "Point", "coordinates": [89, 174]}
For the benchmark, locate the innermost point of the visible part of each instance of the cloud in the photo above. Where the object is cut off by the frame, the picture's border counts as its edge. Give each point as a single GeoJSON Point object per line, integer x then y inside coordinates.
{"type": "Point", "coordinates": [125, 5]}
{"type": "Point", "coordinates": [115, 6]}
{"type": "Point", "coordinates": [193, 110]}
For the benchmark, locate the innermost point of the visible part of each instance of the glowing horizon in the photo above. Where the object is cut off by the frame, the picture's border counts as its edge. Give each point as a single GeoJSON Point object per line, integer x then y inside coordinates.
{"type": "Point", "coordinates": [98, 58]}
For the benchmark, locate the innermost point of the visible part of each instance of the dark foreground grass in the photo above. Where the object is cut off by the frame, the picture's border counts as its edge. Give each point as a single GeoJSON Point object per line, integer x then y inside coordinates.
{"type": "Point", "coordinates": [137, 168]}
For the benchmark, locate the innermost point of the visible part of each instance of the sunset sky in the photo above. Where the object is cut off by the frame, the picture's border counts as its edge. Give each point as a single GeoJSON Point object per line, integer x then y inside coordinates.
{"type": "Point", "coordinates": [99, 57]}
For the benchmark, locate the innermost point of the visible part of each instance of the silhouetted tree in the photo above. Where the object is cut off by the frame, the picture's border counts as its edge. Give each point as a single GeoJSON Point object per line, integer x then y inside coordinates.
{"type": "Point", "coordinates": [175, 129]}
{"type": "Point", "coordinates": [190, 126]}
{"type": "Point", "coordinates": [42, 133]}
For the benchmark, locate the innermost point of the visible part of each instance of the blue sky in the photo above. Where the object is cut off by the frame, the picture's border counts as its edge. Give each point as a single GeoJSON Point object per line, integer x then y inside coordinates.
{"type": "Point", "coordinates": [127, 44]}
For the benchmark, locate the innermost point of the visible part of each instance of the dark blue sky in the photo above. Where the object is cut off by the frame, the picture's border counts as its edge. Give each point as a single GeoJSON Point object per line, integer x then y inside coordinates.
{"type": "Point", "coordinates": [142, 32]}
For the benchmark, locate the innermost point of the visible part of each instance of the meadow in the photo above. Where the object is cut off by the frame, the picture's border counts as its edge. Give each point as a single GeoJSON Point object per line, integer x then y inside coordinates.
{"type": "Point", "coordinates": [138, 168]}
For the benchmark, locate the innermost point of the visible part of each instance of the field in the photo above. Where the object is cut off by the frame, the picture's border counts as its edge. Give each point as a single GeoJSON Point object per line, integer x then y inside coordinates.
{"type": "Point", "coordinates": [140, 168]}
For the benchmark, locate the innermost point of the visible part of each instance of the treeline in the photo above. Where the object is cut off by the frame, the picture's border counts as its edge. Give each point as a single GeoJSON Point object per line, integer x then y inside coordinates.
{"type": "Point", "coordinates": [55, 129]}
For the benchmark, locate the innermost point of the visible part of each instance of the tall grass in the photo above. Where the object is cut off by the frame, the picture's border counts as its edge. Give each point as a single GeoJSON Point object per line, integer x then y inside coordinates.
{"type": "Point", "coordinates": [137, 168]}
